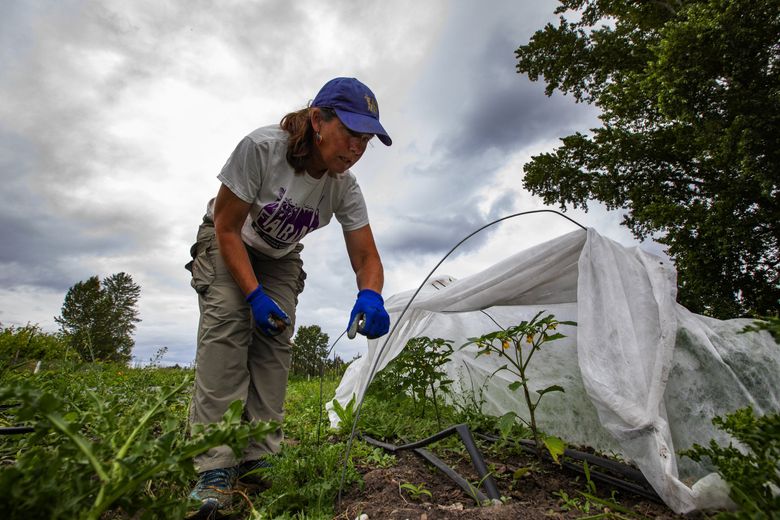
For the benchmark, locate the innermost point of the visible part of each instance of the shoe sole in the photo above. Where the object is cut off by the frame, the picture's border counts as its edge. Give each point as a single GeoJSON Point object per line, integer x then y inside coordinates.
{"type": "Point", "coordinates": [206, 512]}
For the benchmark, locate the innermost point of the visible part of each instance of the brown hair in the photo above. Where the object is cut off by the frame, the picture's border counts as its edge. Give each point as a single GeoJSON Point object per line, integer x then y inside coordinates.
{"type": "Point", "coordinates": [301, 135]}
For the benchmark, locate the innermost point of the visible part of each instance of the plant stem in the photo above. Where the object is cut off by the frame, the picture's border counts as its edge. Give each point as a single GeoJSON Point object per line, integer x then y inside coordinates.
{"type": "Point", "coordinates": [527, 395]}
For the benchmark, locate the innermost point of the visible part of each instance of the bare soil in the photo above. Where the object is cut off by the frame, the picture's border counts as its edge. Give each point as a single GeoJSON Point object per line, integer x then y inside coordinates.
{"type": "Point", "coordinates": [532, 496]}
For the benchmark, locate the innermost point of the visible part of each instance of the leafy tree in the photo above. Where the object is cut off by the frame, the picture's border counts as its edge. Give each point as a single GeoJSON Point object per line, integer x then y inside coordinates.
{"type": "Point", "coordinates": [98, 318]}
{"type": "Point", "coordinates": [689, 144]}
{"type": "Point", "coordinates": [311, 347]}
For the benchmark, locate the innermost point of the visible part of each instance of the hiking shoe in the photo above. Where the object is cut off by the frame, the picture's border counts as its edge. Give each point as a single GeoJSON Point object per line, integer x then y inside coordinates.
{"type": "Point", "coordinates": [251, 474]}
{"type": "Point", "coordinates": [214, 491]}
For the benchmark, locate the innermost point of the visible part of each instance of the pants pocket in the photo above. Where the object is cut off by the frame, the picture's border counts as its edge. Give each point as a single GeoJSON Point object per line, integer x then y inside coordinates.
{"type": "Point", "coordinates": [202, 265]}
{"type": "Point", "coordinates": [301, 281]}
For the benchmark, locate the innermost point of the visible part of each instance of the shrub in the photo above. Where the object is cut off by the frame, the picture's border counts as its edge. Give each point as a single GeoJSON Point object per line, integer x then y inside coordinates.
{"type": "Point", "coordinates": [754, 472]}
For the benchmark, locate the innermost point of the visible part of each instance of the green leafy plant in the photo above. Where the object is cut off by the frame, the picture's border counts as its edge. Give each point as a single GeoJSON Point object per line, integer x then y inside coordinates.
{"type": "Point", "coordinates": [346, 416]}
{"type": "Point", "coordinates": [609, 507]}
{"type": "Point", "coordinates": [372, 456]}
{"type": "Point", "coordinates": [102, 450]}
{"type": "Point", "coordinates": [508, 344]}
{"type": "Point", "coordinates": [770, 324]}
{"type": "Point", "coordinates": [572, 503]}
{"type": "Point", "coordinates": [418, 370]}
{"type": "Point", "coordinates": [415, 491]}
{"type": "Point", "coordinates": [305, 481]}
{"type": "Point", "coordinates": [753, 472]}
{"type": "Point", "coordinates": [474, 487]}
{"type": "Point", "coordinates": [588, 481]}
{"type": "Point", "coordinates": [522, 472]}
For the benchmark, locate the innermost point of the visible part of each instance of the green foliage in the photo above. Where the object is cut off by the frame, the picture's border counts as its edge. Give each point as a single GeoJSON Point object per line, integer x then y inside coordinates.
{"type": "Point", "coordinates": [373, 457]}
{"type": "Point", "coordinates": [305, 480]}
{"type": "Point", "coordinates": [415, 491]}
{"type": "Point", "coordinates": [106, 444]}
{"type": "Point", "coordinates": [29, 344]}
{"type": "Point", "coordinates": [305, 418]}
{"type": "Point", "coordinates": [98, 317]}
{"type": "Point", "coordinates": [770, 324]}
{"type": "Point", "coordinates": [418, 371]}
{"type": "Point", "coordinates": [689, 144]}
{"type": "Point", "coordinates": [508, 344]}
{"type": "Point", "coordinates": [394, 418]}
{"type": "Point", "coordinates": [468, 404]}
{"type": "Point", "coordinates": [754, 472]}
{"type": "Point", "coordinates": [308, 354]}
{"type": "Point", "coordinates": [346, 415]}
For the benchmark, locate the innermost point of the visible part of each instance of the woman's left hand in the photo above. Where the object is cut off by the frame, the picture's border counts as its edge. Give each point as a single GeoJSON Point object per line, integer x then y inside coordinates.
{"type": "Point", "coordinates": [370, 310]}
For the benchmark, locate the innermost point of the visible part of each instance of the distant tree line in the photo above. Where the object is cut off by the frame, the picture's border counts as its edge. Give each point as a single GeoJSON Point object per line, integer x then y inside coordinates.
{"type": "Point", "coordinates": [29, 344]}
{"type": "Point", "coordinates": [97, 321]}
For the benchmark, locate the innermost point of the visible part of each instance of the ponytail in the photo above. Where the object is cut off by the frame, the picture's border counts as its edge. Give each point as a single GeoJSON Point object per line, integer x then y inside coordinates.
{"type": "Point", "coordinates": [301, 135]}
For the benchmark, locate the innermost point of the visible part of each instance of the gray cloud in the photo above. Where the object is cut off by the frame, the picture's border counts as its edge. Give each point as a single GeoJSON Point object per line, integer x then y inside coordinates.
{"type": "Point", "coordinates": [502, 111]}
{"type": "Point", "coordinates": [482, 112]}
{"type": "Point", "coordinates": [71, 67]}
{"type": "Point", "coordinates": [435, 234]}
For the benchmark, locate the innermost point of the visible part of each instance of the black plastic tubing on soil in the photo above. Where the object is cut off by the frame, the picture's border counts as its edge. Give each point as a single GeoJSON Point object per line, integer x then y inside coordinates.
{"type": "Point", "coordinates": [631, 479]}
{"type": "Point", "coordinates": [462, 430]}
{"type": "Point", "coordinates": [397, 321]}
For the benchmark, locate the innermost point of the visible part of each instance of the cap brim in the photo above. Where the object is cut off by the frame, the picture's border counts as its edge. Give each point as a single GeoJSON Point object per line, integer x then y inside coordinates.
{"type": "Point", "coordinates": [364, 125]}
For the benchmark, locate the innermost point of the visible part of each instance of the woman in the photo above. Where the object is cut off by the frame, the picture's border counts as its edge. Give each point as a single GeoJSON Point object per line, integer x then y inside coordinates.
{"type": "Point", "coordinates": [280, 183]}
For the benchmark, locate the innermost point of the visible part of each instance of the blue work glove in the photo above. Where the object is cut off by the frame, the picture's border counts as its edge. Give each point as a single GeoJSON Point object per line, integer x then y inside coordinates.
{"type": "Point", "coordinates": [369, 316]}
{"type": "Point", "coordinates": [268, 316]}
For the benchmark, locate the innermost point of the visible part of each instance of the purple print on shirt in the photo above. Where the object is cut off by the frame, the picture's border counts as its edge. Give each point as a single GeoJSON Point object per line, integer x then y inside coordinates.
{"type": "Point", "coordinates": [282, 223]}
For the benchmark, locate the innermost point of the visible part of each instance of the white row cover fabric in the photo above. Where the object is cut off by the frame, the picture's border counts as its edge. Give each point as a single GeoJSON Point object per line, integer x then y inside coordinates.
{"type": "Point", "coordinates": [643, 376]}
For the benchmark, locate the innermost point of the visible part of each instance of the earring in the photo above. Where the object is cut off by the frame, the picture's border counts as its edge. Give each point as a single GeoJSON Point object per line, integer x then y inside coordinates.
{"type": "Point", "coordinates": [317, 137]}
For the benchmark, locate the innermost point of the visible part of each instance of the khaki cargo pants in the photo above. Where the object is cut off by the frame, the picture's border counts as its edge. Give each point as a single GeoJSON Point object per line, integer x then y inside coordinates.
{"type": "Point", "coordinates": [234, 359]}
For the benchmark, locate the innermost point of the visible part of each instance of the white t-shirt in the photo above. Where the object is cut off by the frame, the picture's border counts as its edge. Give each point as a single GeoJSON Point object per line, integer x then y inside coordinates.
{"type": "Point", "coordinates": [286, 206]}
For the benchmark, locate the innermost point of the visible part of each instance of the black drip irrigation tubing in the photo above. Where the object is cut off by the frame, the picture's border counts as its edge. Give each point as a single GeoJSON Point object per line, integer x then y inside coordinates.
{"type": "Point", "coordinates": [631, 479]}
{"type": "Point", "coordinates": [14, 430]}
{"type": "Point", "coordinates": [378, 355]}
{"type": "Point", "coordinates": [476, 459]}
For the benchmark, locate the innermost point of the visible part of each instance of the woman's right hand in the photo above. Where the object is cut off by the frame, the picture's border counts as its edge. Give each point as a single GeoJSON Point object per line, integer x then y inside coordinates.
{"type": "Point", "coordinates": [269, 318]}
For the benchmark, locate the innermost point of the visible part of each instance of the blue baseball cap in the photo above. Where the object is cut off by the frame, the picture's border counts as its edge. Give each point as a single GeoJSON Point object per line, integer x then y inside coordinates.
{"type": "Point", "coordinates": [354, 104]}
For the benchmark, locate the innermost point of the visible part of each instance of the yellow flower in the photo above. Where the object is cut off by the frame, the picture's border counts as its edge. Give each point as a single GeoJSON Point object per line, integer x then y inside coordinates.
{"type": "Point", "coordinates": [505, 344]}
{"type": "Point", "coordinates": [529, 339]}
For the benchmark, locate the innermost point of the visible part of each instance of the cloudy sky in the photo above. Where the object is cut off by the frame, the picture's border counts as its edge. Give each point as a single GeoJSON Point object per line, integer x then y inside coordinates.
{"type": "Point", "coordinates": [115, 118]}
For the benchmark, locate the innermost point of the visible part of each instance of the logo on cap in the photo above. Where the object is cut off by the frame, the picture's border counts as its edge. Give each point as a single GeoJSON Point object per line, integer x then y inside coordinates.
{"type": "Point", "coordinates": [371, 104]}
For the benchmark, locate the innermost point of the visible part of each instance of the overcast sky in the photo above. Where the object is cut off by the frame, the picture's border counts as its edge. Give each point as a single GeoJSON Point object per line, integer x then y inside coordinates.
{"type": "Point", "coordinates": [116, 117]}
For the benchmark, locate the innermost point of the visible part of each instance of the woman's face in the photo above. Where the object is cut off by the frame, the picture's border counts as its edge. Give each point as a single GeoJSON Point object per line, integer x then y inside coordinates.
{"type": "Point", "coordinates": [339, 148]}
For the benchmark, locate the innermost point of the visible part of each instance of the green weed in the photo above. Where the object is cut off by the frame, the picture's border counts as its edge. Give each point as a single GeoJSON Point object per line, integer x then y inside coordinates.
{"type": "Point", "coordinates": [415, 491]}
{"type": "Point", "coordinates": [305, 480]}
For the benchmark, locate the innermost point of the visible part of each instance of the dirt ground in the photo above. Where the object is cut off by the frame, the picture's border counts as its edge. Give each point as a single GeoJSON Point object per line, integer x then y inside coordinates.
{"type": "Point", "coordinates": [531, 496]}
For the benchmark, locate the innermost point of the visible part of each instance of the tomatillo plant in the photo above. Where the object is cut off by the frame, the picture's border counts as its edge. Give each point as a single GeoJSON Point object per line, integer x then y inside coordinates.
{"type": "Point", "coordinates": [508, 344]}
